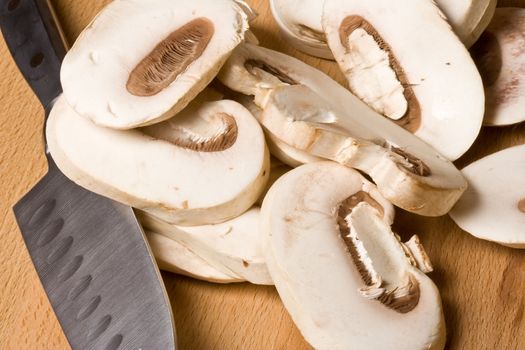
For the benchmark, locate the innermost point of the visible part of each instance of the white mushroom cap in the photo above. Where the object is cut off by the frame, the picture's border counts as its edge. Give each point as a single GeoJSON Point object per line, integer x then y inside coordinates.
{"type": "Point", "coordinates": [207, 165]}
{"type": "Point", "coordinates": [468, 18]}
{"type": "Point", "coordinates": [404, 61]}
{"type": "Point", "coordinates": [233, 247]}
{"type": "Point", "coordinates": [129, 36]}
{"type": "Point", "coordinates": [493, 208]}
{"type": "Point", "coordinates": [500, 56]}
{"type": "Point", "coordinates": [174, 257]}
{"type": "Point", "coordinates": [345, 280]}
{"type": "Point", "coordinates": [300, 25]}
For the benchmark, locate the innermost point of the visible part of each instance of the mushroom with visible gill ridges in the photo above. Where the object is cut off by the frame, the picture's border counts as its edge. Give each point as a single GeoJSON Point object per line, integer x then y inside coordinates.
{"type": "Point", "coordinates": [126, 70]}
{"type": "Point", "coordinates": [174, 257]}
{"type": "Point", "coordinates": [493, 208]}
{"type": "Point", "coordinates": [342, 274]}
{"type": "Point", "coordinates": [207, 165]}
{"type": "Point", "coordinates": [500, 56]}
{"type": "Point", "coordinates": [410, 68]}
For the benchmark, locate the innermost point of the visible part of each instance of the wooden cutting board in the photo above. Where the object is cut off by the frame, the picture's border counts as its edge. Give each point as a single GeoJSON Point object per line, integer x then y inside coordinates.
{"type": "Point", "coordinates": [482, 284]}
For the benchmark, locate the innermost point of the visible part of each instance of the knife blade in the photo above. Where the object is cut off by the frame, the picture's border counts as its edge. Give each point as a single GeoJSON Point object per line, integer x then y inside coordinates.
{"type": "Point", "coordinates": [89, 252]}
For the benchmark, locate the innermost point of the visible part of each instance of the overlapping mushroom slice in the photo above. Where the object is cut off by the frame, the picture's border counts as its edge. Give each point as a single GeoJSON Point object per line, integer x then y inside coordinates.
{"type": "Point", "coordinates": [468, 18]}
{"type": "Point", "coordinates": [174, 257]}
{"type": "Point", "coordinates": [493, 208]}
{"type": "Point", "coordinates": [233, 247]}
{"type": "Point", "coordinates": [405, 62]}
{"type": "Point", "coordinates": [207, 165]}
{"type": "Point", "coordinates": [140, 62]}
{"type": "Point", "coordinates": [343, 275]}
{"type": "Point", "coordinates": [500, 57]}
{"type": "Point", "coordinates": [407, 171]}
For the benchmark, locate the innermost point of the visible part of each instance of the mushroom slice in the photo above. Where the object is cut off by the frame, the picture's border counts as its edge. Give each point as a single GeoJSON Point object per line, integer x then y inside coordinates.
{"type": "Point", "coordinates": [468, 18]}
{"type": "Point", "coordinates": [493, 208]}
{"type": "Point", "coordinates": [407, 171]}
{"type": "Point", "coordinates": [140, 62]}
{"type": "Point", "coordinates": [233, 247]}
{"type": "Point", "coordinates": [174, 257]}
{"type": "Point", "coordinates": [424, 79]}
{"type": "Point", "coordinates": [344, 277]}
{"type": "Point", "coordinates": [299, 22]}
{"type": "Point", "coordinates": [277, 169]}
{"type": "Point", "coordinates": [207, 165]}
{"type": "Point", "coordinates": [500, 59]}
{"type": "Point", "coordinates": [279, 149]}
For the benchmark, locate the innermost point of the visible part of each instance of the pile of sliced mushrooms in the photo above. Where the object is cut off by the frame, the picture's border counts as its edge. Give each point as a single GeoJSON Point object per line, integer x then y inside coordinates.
{"type": "Point", "coordinates": [245, 164]}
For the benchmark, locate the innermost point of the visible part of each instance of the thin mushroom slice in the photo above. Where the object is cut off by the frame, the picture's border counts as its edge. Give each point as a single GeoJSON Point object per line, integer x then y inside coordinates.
{"type": "Point", "coordinates": [207, 165]}
{"type": "Point", "coordinates": [233, 247]}
{"type": "Point", "coordinates": [493, 208]}
{"type": "Point", "coordinates": [407, 171]}
{"type": "Point", "coordinates": [343, 275]}
{"type": "Point", "coordinates": [140, 62]}
{"type": "Point", "coordinates": [174, 257]}
{"type": "Point", "coordinates": [299, 22]}
{"type": "Point", "coordinates": [499, 54]}
{"type": "Point", "coordinates": [468, 18]}
{"type": "Point", "coordinates": [422, 79]}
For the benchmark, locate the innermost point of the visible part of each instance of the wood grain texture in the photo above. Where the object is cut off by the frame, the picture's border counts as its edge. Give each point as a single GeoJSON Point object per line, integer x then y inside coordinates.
{"type": "Point", "coordinates": [482, 284]}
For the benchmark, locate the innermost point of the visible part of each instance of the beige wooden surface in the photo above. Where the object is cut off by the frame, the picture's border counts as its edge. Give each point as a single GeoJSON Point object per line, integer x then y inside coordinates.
{"type": "Point", "coordinates": [482, 284]}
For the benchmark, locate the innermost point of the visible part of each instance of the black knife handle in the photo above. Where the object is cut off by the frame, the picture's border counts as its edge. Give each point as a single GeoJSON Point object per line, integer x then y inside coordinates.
{"type": "Point", "coordinates": [37, 44]}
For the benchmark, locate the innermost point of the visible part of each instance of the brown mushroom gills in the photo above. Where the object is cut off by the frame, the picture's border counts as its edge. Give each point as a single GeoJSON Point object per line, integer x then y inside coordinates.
{"type": "Point", "coordinates": [411, 121]}
{"type": "Point", "coordinates": [403, 298]}
{"type": "Point", "coordinates": [417, 166]}
{"type": "Point", "coordinates": [252, 65]}
{"type": "Point", "coordinates": [224, 137]}
{"type": "Point", "coordinates": [521, 205]}
{"type": "Point", "coordinates": [170, 58]}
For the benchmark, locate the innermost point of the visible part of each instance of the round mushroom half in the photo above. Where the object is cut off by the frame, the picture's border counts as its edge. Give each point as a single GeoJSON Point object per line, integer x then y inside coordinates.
{"type": "Point", "coordinates": [493, 208]}
{"type": "Point", "coordinates": [140, 62]}
{"type": "Point", "coordinates": [405, 62]}
{"type": "Point", "coordinates": [500, 56]}
{"type": "Point", "coordinates": [207, 165]}
{"type": "Point", "coordinates": [174, 257]}
{"type": "Point", "coordinates": [342, 274]}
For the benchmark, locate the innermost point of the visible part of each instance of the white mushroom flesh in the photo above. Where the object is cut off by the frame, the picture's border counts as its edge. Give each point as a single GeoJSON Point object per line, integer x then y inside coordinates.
{"type": "Point", "coordinates": [141, 62]}
{"type": "Point", "coordinates": [207, 165]}
{"type": "Point", "coordinates": [493, 208]}
{"type": "Point", "coordinates": [347, 282]}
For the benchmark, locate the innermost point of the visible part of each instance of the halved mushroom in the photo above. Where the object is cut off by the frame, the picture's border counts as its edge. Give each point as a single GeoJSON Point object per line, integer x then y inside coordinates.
{"type": "Point", "coordinates": [468, 18]}
{"type": "Point", "coordinates": [407, 64]}
{"type": "Point", "coordinates": [493, 208]}
{"type": "Point", "coordinates": [408, 172]}
{"type": "Point", "coordinates": [343, 275]}
{"type": "Point", "coordinates": [207, 165]}
{"type": "Point", "coordinates": [174, 257]}
{"type": "Point", "coordinates": [499, 54]}
{"type": "Point", "coordinates": [141, 62]}
{"type": "Point", "coordinates": [233, 247]}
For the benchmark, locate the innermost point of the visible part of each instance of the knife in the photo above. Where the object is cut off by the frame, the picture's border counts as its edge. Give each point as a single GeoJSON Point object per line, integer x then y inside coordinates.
{"type": "Point", "coordinates": [89, 252]}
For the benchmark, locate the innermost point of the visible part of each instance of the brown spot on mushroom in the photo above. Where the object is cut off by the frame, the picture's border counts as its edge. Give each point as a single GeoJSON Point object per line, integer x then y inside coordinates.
{"type": "Point", "coordinates": [245, 263]}
{"type": "Point", "coordinates": [252, 65]}
{"type": "Point", "coordinates": [170, 58]}
{"type": "Point", "coordinates": [521, 205]}
{"type": "Point", "coordinates": [416, 165]}
{"type": "Point", "coordinates": [487, 55]}
{"type": "Point", "coordinates": [411, 121]}
{"type": "Point", "coordinates": [224, 139]}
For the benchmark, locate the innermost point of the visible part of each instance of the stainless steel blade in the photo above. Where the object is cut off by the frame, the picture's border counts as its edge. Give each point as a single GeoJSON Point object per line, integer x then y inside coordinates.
{"type": "Point", "coordinates": [90, 252]}
{"type": "Point", "coordinates": [95, 266]}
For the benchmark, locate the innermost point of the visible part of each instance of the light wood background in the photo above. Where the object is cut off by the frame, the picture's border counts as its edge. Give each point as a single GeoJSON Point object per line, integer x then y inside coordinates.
{"type": "Point", "coordinates": [482, 284]}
